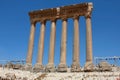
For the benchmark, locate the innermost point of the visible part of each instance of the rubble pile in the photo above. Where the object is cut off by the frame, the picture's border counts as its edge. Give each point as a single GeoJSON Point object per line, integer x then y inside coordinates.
{"type": "Point", "coordinates": [11, 74]}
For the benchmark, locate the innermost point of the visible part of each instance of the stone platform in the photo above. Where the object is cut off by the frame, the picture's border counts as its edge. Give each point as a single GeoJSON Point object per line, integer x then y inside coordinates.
{"type": "Point", "coordinates": [8, 74]}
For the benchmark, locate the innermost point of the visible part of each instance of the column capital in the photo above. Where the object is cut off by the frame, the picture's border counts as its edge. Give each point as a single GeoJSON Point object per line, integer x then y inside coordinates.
{"type": "Point", "coordinates": [75, 17]}
{"type": "Point", "coordinates": [64, 18]}
{"type": "Point", "coordinates": [88, 15]}
{"type": "Point", "coordinates": [53, 19]}
{"type": "Point", "coordinates": [32, 21]}
{"type": "Point", "coordinates": [89, 10]}
{"type": "Point", "coordinates": [42, 21]}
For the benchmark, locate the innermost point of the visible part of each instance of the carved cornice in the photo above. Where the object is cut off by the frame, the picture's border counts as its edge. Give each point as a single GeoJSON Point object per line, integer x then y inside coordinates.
{"type": "Point", "coordinates": [83, 9]}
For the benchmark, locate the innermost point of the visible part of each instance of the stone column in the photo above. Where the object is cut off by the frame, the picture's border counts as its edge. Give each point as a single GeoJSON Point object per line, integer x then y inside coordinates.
{"type": "Point", "coordinates": [28, 65]}
{"type": "Point", "coordinates": [75, 65]}
{"type": "Point", "coordinates": [50, 67]}
{"type": "Point", "coordinates": [89, 63]}
{"type": "Point", "coordinates": [62, 67]}
{"type": "Point", "coordinates": [38, 66]}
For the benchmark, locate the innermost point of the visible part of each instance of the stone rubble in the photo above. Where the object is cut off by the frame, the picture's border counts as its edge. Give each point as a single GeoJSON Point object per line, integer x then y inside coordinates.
{"type": "Point", "coordinates": [10, 74]}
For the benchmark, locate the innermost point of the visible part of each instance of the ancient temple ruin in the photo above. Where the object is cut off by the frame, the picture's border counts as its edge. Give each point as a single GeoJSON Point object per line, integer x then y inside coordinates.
{"type": "Point", "coordinates": [63, 13]}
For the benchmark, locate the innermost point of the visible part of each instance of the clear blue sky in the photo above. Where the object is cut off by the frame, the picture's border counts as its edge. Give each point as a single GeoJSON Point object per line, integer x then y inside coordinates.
{"type": "Point", "coordinates": [15, 29]}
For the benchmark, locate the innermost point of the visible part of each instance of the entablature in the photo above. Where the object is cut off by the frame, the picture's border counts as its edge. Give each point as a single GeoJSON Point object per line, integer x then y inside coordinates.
{"type": "Point", "coordinates": [83, 9]}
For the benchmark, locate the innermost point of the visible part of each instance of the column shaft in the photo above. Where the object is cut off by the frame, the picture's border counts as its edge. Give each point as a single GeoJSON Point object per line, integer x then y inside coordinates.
{"type": "Point", "coordinates": [31, 44]}
{"type": "Point", "coordinates": [63, 42]}
{"type": "Point", "coordinates": [41, 43]}
{"type": "Point", "coordinates": [50, 67]}
{"type": "Point", "coordinates": [89, 64]}
{"type": "Point", "coordinates": [88, 40]}
{"type": "Point", "coordinates": [52, 43]}
{"type": "Point", "coordinates": [38, 66]}
{"type": "Point", "coordinates": [62, 66]}
{"type": "Point", "coordinates": [76, 41]}
{"type": "Point", "coordinates": [76, 65]}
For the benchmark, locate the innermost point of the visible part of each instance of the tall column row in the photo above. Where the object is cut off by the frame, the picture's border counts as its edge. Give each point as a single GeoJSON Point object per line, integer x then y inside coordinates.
{"type": "Point", "coordinates": [62, 67]}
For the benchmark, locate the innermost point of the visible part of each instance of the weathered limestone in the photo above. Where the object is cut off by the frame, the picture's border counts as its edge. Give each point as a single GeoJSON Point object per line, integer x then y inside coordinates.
{"type": "Point", "coordinates": [62, 67]}
{"type": "Point", "coordinates": [38, 66]}
{"type": "Point", "coordinates": [28, 65]}
{"type": "Point", "coordinates": [89, 63]}
{"type": "Point", "coordinates": [50, 66]}
{"type": "Point", "coordinates": [75, 65]}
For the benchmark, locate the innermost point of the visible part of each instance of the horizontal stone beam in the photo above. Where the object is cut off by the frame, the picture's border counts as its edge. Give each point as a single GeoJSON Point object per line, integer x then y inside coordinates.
{"type": "Point", "coordinates": [60, 12]}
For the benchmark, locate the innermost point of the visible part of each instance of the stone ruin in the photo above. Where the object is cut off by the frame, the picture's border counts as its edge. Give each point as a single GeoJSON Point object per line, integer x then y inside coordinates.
{"type": "Point", "coordinates": [63, 13]}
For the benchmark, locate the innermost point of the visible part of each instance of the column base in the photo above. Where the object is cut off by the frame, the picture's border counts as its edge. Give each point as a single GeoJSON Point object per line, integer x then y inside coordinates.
{"type": "Point", "coordinates": [50, 68]}
{"type": "Point", "coordinates": [75, 67]}
{"type": "Point", "coordinates": [38, 68]}
{"type": "Point", "coordinates": [27, 67]}
{"type": "Point", "coordinates": [62, 68]}
{"type": "Point", "coordinates": [89, 66]}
